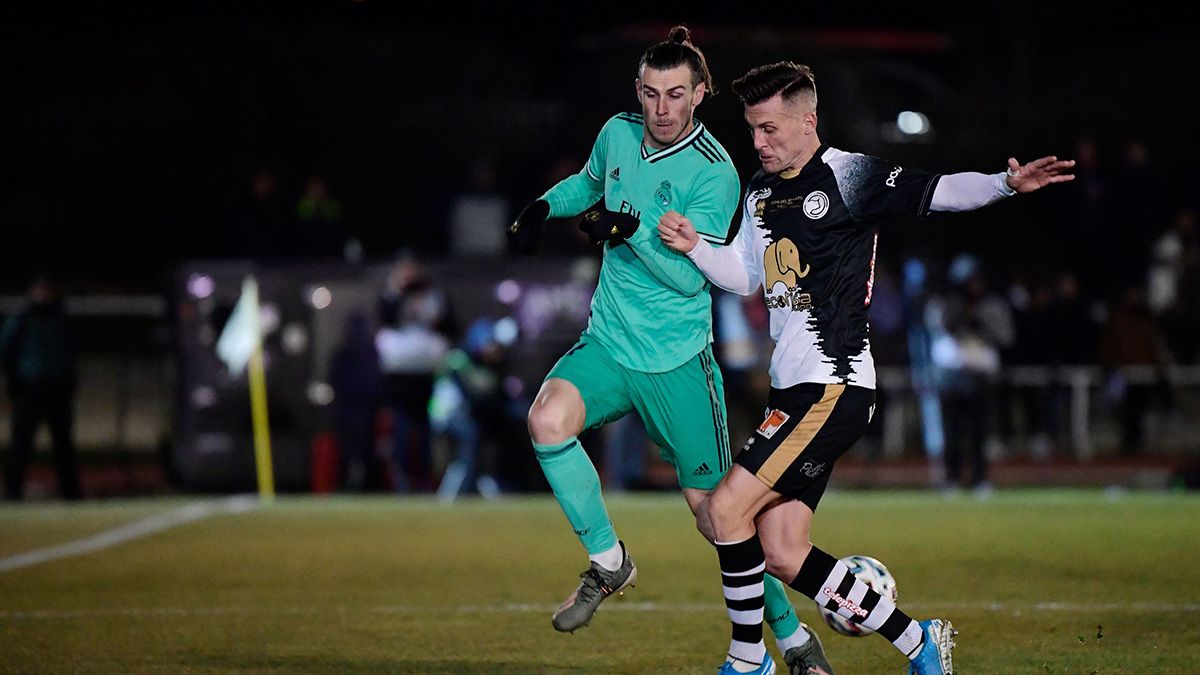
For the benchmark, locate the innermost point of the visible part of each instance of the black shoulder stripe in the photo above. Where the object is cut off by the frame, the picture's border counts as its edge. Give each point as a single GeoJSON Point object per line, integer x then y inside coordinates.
{"type": "Point", "coordinates": [707, 153]}
{"type": "Point", "coordinates": [712, 147]}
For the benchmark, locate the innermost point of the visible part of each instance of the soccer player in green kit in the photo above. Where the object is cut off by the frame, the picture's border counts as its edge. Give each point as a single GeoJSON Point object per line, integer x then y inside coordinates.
{"type": "Point", "coordinates": [648, 344]}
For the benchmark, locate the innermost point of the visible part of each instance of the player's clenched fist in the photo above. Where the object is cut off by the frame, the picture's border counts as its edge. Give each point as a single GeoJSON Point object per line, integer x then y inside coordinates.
{"type": "Point", "coordinates": [676, 231]}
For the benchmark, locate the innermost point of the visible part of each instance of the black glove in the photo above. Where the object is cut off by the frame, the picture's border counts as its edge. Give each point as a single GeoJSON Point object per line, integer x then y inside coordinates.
{"type": "Point", "coordinates": [526, 231]}
{"type": "Point", "coordinates": [601, 225]}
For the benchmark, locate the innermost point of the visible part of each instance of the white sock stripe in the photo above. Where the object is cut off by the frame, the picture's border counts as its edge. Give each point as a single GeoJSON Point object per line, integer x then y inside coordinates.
{"type": "Point", "coordinates": [757, 570]}
{"type": "Point", "coordinates": [743, 592]}
{"type": "Point", "coordinates": [833, 581]}
{"type": "Point", "coordinates": [910, 639]}
{"type": "Point", "coordinates": [858, 592]}
{"type": "Point", "coordinates": [747, 617]}
{"type": "Point", "coordinates": [881, 613]}
{"type": "Point", "coordinates": [748, 652]}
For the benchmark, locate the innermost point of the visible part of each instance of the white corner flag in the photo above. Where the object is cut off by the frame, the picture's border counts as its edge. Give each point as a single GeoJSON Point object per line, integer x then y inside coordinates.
{"type": "Point", "coordinates": [241, 335]}
{"type": "Point", "coordinates": [240, 347]}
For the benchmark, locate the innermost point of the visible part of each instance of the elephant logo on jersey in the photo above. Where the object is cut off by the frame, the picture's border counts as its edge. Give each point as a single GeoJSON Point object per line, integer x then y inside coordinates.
{"type": "Point", "coordinates": [781, 262]}
{"type": "Point", "coordinates": [816, 204]}
{"type": "Point", "coordinates": [663, 193]}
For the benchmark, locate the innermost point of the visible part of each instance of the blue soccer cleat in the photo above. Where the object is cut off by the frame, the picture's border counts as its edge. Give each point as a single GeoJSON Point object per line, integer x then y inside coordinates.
{"type": "Point", "coordinates": [767, 668]}
{"type": "Point", "coordinates": [934, 657]}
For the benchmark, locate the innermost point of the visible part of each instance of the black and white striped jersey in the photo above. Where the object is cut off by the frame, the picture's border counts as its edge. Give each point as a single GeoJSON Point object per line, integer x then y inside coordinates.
{"type": "Point", "coordinates": [809, 237]}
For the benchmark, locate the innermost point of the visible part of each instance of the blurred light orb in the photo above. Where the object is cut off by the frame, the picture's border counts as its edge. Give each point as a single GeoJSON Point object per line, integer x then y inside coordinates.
{"type": "Point", "coordinates": [294, 339]}
{"type": "Point", "coordinates": [320, 393]}
{"type": "Point", "coordinates": [912, 123]}
{"type": "Point", "coordinates": [505, 332]}
{"type": "Point", "coordinates": [321, 297]}
{"type": "Point", "coordinates": [508, 291]}
{"type": "Point", "coordinates": [200, 286]}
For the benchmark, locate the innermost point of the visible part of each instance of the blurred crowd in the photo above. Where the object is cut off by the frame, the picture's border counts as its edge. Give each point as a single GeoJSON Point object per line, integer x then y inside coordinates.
{"type": "Point", "coordinates": [1113, 287]}
{"type": "Point", "coordinates": [426, 397]}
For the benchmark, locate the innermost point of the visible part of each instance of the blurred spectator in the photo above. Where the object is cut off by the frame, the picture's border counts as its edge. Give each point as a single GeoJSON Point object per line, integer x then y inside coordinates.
{"type": "Point", "coordinates": [966, 357]}
{"type": "Point", "coordinates": [1131, 337]}
{"type": "Point", "coordinates": [320, 232]}
{"type": "Point", "coordinates": [38, 356]}
{"type": "Point", "coordinates": [357, 384]}
{"type": "Point", "coordinates": [479, 215]}
{"type": "Point", "coordinates": [260, 220]}
{"type": "Point", "coordinates": [1083, 240]}
{"type": "Point", "coordinates": [1037, 330]}
{"type": "Point", "coordinates": [888, 346]}
{"type": "Point", "coordinates": [1172, 253]}
{"type": "Point", "coordinates": [412, 344]}
{"type": "Point", "coordinates": [1185, 321]}
{"type": "Point", "coordinates": [924, 318]}
{"type": "Point", "coordinates": [1138, 216]}
{"type": "Point", "coordinates": [473, 407]}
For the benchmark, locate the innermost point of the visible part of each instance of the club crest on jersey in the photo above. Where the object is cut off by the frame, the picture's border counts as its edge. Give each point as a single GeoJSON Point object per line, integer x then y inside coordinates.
{"type": "Point", "coordinates": [816, 204]}
{"type": "Point", "coordinates": [663, 194]}
{"type": "Point", "coordinates": [759, 199]}
{"type": "Point", "coordinates": [775, 419]}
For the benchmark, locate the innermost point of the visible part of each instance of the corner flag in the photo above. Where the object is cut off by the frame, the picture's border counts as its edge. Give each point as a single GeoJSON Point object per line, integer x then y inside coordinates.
{"type": "Point", "coordinates": [240, 347]}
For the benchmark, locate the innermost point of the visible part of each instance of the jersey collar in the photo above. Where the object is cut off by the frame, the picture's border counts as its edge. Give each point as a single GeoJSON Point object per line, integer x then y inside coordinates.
{"type": "Point", "coordinates": [657, 155]}
{"type": "Point", "coordinates": [813, 162]}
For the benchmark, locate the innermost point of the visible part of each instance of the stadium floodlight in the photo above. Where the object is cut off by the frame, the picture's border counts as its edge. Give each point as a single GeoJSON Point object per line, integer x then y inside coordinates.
{"type": "Point", "coordinates": [912, 123]}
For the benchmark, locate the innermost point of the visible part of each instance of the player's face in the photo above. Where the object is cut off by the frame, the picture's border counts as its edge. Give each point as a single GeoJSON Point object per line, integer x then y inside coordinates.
{"type": "Point", "coordinates": [668, 99]}
{"type": "Point", "coordinates": [784, 133]}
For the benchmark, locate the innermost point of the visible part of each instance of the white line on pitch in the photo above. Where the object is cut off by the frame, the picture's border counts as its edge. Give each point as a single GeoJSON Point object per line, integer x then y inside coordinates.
{"type": "Point", "coordinates": [1004, 607]}
{"type": "Point", "coordinates": [134, 530]}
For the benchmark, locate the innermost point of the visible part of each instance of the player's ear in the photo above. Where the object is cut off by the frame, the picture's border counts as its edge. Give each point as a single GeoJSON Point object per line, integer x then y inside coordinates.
{"type": "Point", "coordinates": [698, 94]}
{"type": "Point", "coordinates": [810, 122]}
{"type": "Point", "coordinates": [637, 88]}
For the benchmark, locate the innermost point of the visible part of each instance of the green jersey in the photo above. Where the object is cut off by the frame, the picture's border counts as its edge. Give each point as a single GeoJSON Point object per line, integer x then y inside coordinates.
{"type": "Point", "coordinates": [652, 309]}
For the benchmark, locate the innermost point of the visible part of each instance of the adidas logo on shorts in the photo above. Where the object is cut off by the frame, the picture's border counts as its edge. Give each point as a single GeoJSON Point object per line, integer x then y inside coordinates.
{"type": "Point", "coordinates": [702, 470]}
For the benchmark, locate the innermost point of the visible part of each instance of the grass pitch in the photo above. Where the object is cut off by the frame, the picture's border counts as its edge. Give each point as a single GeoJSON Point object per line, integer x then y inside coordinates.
{"type": "Point", "coordinates": [1036, 581]}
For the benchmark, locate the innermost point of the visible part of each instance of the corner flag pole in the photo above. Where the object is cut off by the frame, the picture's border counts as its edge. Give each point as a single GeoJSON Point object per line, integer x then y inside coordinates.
{"type": "Point", "coordinates": [256, 374]}
{"type": "Point", "coordinates": [240, 346]}
{"type": "Point", "coordinates": [262, 428]}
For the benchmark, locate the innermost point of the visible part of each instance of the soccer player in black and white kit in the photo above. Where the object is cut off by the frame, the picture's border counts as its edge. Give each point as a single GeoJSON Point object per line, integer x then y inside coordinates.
{"type": "Point", "coordinates": [808, 237]}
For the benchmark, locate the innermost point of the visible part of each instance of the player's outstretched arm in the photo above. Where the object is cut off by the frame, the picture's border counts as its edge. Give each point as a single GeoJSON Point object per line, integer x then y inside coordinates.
{"type": "Point", "coordinates": [1039, 173]}
{"type": "Point", "coordinates": [722, 266]}
{"type": "Point", "coordinates": [969, 190]}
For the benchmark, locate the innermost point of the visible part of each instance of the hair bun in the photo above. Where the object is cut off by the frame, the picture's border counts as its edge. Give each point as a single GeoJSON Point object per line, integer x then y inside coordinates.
{"type": "Point", "coordinates": [680, 35]}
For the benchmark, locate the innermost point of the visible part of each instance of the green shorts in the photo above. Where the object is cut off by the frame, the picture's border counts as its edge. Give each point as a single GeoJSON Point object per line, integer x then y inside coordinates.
{"type": "Point", "coordinates": [684, 408]}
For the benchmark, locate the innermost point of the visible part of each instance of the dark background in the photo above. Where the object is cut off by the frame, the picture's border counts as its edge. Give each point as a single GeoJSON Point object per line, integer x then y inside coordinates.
{"type": "Point", "coordinates": [130, 135]}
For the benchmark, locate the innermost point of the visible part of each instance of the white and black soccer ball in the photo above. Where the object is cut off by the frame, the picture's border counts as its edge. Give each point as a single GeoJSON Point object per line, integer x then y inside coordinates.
{"type": "Point", "coordinates": [872, 573]}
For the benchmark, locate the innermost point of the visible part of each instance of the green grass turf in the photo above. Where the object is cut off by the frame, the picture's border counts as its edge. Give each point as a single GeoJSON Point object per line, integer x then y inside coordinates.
{"type": "Point", "coordinates": [1033, 579]}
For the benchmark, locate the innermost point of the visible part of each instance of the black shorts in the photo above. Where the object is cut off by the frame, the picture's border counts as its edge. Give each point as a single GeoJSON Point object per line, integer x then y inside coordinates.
{"type": "Point", "coordinates": [807, 427]}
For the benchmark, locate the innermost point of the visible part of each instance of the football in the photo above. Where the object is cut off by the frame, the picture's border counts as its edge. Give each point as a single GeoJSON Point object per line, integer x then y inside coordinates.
{"type": "Point", "coordinates": [872, 573]}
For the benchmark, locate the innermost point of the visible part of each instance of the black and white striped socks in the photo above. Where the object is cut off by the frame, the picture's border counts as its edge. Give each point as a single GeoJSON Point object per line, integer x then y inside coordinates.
{"type": "Point", "coordinates": [829, 582]}
{"type": "Point", "coordinates": [742, 568]}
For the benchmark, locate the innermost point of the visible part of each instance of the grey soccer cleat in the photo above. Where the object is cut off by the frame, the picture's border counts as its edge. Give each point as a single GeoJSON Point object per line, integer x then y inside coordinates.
{"type": "Point", "coordinates": [802, 660]}
{"type": "Point", "coordinates": [598, 583]}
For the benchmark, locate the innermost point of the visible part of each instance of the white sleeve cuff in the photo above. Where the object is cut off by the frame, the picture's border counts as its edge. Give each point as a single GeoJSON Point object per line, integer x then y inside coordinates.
{"type": "Point", "coordinates": [1000, 180]}
{"type": "Point", "coordinates": [701, 253]}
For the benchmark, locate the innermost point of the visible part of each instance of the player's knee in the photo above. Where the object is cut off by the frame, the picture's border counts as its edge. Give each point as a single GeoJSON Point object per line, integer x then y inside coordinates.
{"type": "Point", "coordinates": [725, 512]}
{"type": "Point", "coordinates": [548, 424]}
